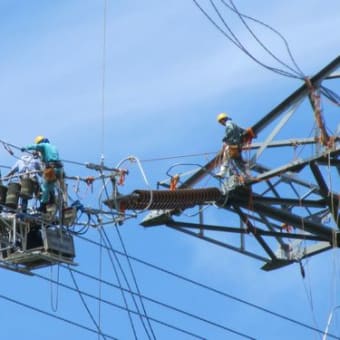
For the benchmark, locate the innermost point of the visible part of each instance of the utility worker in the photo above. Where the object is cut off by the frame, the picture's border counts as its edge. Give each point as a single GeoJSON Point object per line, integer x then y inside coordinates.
{"type": "Point", "coordinates": [27, 167]}
{"type": "Point", "coordinates": [53, 169]}
{"type": "Point", "coordinates": [232, 146]}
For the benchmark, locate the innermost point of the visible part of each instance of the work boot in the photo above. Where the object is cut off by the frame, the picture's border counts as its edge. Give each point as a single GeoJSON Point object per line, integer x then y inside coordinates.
{"type": "Point", "coordinates": [42, 207]}
{"type": "Point", "coordinates": [223, 172]}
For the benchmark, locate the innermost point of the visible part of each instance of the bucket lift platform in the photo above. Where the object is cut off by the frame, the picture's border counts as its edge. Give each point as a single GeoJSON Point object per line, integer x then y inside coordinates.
{"type": "Point", "coordinates": [28, 244]}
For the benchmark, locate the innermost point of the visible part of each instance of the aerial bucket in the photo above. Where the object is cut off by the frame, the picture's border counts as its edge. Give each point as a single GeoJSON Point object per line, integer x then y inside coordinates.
{"type": "Point", "coordinates": [27, 188]}
{"type": "Point", "coordinates": [3, 193]}
{"type": "Point", "coordinates": [12, 196]}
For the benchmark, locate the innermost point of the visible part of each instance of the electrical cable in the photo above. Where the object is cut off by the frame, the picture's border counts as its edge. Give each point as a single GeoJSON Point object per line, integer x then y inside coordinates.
{"type": "Point", "coordinates": [100, 274]}
{"type": "Point", "coordinates": [135, 159]}
{"type": "Point", "coordinates": [110, 249]}
{"type": "Point", "coordinates": [237, 42]}
{"type": "Point", "coordinates": [105, 246]}
{"type": "Point", "coordinates": [22, 304]}
{"type": "Point", "coordinates": [330, 94]}
{"type": "Point", "coordinates": [178, 156]}
{"type": "Point", "coordinates": [233, 8]}
{"type": "Point", "coordinates": [120, 285]}
{"type": "Point", "coordinates": [85, 305]}
{"type": "Point", "coordinates": [219, 292]}
{"type": "Point", "coordinates": [125, 251]}
{"type": "Point", "coordinates": [199, 318]}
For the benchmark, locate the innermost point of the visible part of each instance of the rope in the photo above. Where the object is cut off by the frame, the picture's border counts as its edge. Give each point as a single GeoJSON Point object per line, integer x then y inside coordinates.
{"type": "Point", "coordinates": [103, 78]}
{"type": "Point", "coordinates": [54, 306]}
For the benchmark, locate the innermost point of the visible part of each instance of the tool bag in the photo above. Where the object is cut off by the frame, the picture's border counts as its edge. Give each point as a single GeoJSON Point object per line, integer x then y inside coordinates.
{"type": "Point", "coordinates": [50, 175]}
{"type": "Point", "coordinates": [233, 151]}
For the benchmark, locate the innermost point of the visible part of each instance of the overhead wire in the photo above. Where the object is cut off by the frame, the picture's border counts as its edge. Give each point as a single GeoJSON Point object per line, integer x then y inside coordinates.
{"type": "Point", "coordinates": [103, 127]}
{"type": "Point", "coordinates": [22, 304]}
{"type": "Point", "coordinates": [330, 94]}
{"type": "Point", "coordinates": [298, 70]}
{"type": "Point", "coordinates": [100, 273]}
{"type": "Point", "coordinates": [233, 38]}
{"type": "Point", "coordinates": [130, 266]}
{"type": "Point", "coordinates": [219, 292]}
{"type": "Point", "coordinates": [146, 181]}
{"type": "Point", "coordinates": [165, 305]}
{"type": "Point", "coordinates": [117, 276]}
{"type": "Point", "coordinates": [110, 249]}
{"type": "Point", "coordinates": [86, 306]}
{"type": "Point", "coordinates": [120, 286]}
{"type": "Point", "coordinates": [124, 248]}
{"type": "Point", "coordinates": [121, 307]}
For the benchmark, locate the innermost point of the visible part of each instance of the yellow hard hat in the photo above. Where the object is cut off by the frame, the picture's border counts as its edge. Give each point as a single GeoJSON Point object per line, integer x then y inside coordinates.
{"type": "Point", "coordinates": [222, 116]}
{"type": "Point", "coordinates": [38, 139]}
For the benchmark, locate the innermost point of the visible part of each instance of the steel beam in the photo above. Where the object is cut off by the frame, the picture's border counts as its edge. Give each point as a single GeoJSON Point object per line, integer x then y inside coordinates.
{"type": "Point", "coordinates": [237, 199]}
{"type": "Point", "coordinates": [295, 96]}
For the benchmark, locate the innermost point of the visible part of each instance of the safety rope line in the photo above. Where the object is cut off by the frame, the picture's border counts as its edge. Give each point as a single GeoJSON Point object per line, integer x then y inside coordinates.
{"type": "Point", "coordinates": [103, 78]}
{"type": "Point", "coordinates": [54, 304]}
{"type": "Point", "coordinates": [330, 193]}
{"type": "Point", "coordinates": [309, 294]}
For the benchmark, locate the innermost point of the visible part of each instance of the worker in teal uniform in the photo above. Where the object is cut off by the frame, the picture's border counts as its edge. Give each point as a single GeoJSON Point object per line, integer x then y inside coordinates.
{"type": "Point", "coordinates": [53, 169]}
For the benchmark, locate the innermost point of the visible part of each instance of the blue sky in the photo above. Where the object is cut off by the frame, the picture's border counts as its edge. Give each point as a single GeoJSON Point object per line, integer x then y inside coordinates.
{"type": "Point", "coordinates": [168, 72]}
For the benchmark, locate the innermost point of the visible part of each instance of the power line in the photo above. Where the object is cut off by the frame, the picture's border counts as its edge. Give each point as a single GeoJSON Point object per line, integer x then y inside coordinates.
{"type": "Point", "coordinates": [242, 16]}
{"type": "Point", "coordinates": [224, 294]}
{"type": "Point", "coordinates": [155, 301]}
{"type": "Point", "coordinates": [22, 304]}
{"type": "Point", "coordinates": [236, 41]}
{"type": "Point", "coordinates": [85, 305]}
{"type": "Point", "coordinates": [123, 308]}
{"type": "Point", "coordinates": [144, 297]}
{"type": "Point", "coordinates": [120, 285]}
{"type": "Point", "coordinates": [130, 267]}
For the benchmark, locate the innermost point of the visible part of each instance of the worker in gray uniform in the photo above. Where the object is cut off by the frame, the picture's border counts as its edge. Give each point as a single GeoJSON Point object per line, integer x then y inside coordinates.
{"type": "Point", "coordinates": [232, 147]}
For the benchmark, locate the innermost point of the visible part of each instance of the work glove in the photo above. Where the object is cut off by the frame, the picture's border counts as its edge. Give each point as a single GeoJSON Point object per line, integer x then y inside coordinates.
{"type": "Point", "coordinates": [23, 149]}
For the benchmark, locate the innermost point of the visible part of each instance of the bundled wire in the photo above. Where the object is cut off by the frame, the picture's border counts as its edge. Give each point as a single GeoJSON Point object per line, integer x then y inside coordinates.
{"type": "Point", "coordinates": [225, 29]}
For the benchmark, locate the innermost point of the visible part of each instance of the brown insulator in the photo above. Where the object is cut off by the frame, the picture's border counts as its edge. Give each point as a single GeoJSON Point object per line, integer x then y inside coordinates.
{"type": "Point", "coordinates": [166, 199]}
